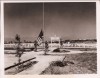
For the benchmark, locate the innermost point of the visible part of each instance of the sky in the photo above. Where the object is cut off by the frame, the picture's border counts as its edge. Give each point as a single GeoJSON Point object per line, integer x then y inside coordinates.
{"type": "Point", "coordinates": [68, 20]}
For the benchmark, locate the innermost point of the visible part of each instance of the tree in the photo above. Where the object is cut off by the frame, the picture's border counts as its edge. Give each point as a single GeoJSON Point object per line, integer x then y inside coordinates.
{"type": "Point", "coordinates": [35, 46]}
{"type": "Point", "coordinates": [19, 51]}
{"type": "Point", "coordinates": [17, 38]}
{"type": "Point", "coordinates": [46, 47]}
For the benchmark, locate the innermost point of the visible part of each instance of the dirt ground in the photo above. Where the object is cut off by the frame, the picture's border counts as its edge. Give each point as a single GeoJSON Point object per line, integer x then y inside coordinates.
{"type": "Point", "coordinates": [84, 62]}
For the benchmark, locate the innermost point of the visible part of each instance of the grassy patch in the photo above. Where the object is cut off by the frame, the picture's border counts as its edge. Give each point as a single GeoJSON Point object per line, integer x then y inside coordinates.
{"type": "Point", "coordinates": [83, 63]}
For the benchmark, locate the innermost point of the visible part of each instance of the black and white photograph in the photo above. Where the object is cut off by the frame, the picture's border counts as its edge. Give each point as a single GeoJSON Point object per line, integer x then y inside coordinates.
{"type": "Point", "coordinates": [50, 38]}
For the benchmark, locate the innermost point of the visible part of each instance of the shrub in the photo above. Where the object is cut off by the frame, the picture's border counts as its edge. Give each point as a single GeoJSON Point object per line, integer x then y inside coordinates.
{"type": "Point", "coordinates": [56, 50]}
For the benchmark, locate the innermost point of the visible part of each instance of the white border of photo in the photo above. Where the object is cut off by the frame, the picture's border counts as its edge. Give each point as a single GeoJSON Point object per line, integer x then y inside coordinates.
{"type": "Point", "coordinates": [50, 76]}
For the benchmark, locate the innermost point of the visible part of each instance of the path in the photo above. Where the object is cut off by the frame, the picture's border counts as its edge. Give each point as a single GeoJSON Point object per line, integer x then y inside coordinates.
{"type": "Point", "coordinates": [43, 62]}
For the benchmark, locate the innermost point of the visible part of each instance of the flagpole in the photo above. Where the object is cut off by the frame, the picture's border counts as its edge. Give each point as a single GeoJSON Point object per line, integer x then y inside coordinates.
{"type": "Point", "coordinates": [43, 28]}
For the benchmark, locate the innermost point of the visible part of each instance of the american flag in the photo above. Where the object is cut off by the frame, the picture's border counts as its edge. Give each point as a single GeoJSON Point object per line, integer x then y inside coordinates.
{"type": "Point", "coordinates": [40, 38]}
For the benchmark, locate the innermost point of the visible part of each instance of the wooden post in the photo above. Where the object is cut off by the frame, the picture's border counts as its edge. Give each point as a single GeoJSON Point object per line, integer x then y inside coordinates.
{"type": "Point", "coordinates": [63, 59]}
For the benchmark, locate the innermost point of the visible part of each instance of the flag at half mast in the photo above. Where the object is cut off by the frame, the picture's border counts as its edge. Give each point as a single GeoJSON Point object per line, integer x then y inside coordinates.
{"type": "Point", "coordinates": [40, 38]}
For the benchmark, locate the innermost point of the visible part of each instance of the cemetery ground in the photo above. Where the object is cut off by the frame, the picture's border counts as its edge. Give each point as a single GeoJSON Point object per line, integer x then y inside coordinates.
{"type": "Point", "coordinates": [66, 61]}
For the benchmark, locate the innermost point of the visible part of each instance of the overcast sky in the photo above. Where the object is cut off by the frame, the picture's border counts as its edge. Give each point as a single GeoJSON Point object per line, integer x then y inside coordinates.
{"type": "Point", "coordinates": [66, 20]}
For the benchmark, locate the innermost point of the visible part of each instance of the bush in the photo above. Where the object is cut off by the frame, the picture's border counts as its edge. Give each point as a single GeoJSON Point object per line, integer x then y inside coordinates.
{"type": "Point", "coordinates": [59, 63]}
{"type": "Point", "coordinates": [56, 50]}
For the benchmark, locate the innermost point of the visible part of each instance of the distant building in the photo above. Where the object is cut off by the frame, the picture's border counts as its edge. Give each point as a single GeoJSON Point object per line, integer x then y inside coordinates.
{"type": "Point", "coordinates": [55, 41]}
